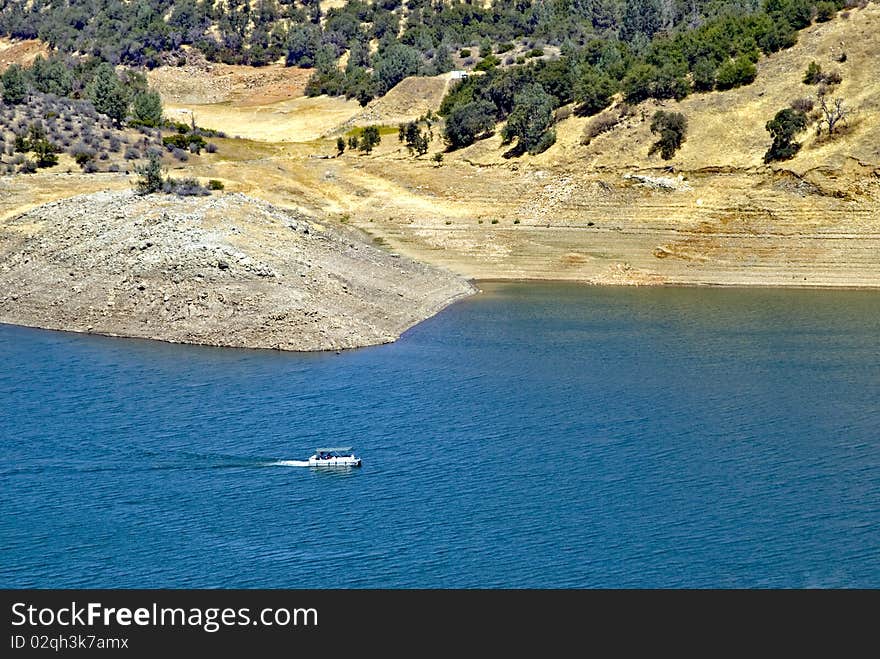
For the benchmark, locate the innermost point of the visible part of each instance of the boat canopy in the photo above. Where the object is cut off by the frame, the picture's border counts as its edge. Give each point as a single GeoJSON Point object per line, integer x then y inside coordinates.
{"type": "Point", "coordinates": [338, 449]}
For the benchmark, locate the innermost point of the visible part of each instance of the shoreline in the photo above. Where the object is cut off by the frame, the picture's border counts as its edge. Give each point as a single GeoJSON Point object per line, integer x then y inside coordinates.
{"type": "Point", "coordinates": [674, 284]}
{"type": "Point", "coordinates": [439, 307]}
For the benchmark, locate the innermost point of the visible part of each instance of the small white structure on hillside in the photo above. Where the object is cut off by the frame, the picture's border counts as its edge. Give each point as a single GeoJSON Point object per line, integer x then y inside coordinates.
{"type": "Point", "coordinates": [458, 75]}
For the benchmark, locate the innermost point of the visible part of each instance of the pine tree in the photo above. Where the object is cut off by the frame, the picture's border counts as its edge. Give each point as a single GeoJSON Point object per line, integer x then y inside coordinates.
{"type": "Point", "coordinates": [146, 108]}
{"type": "Point", "coordinates": [108, 94]}
{"type": "Point", "coordinates": [150, 175]}
{"type": "Point", "coordinates": [15, 89]}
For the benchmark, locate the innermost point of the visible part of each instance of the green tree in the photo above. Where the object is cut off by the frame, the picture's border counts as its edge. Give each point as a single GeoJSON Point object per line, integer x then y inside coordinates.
{"type": "Point", "coordinates": [671, 127]}
{"type": "Point", "coordinates": [414, 137]}
{"type": "Point", "coordinates": [467, 121]}
{"type": "Point", "coordinates": [442, 59]}
{"type": "Point", "coordinates": [531, 120]}
{"type": "Point", "coordinates": [340, 145]}
{"type": "Point", "coordinates": [704, 73]}
{"type": "Point", "coordinates": [303, 43]}
{"type": "Point", "coordinates": [45, 152]}
{"type": "Point", "coordinates": [146, 108]}
{"type": "Point", "coordinates": [592, 90]}
{"type": "Point", "coordinates": [395, 63]}
{"type": "Point", "coordinates": [640, 17]}
{"type": "Point", "coordinates": [150, 177]}
{"type": "Point", "coordinates": [370, 137]}
{"type": "Point", "coordinates": [107, 93]}
{"type": "Point", "coordinates": [782, 128]}
{"type": "Point", "coordinates": [638, 83]}
{"type": "Point", "coordinates": [51, 76]}
{"type": "Point", "coordinates": [825, 11]}
{"type": "Point", "coordinates": [15, 89]}
{"type": "Point", "coordinates": [735, 73]}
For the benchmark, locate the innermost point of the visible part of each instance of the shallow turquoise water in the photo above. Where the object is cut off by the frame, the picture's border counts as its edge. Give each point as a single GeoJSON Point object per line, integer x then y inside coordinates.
{"type": "Point", "coordinates": [536, 435]}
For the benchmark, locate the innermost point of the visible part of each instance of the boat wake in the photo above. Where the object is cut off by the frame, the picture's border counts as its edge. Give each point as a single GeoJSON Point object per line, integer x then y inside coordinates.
{"type": "Point", "coordinates": [289, 463]}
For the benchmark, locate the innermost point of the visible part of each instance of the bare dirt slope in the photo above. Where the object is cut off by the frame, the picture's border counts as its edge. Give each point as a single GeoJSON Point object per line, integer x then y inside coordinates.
{"type": "Point", "coordinates": [228, 270]}
{"type": "Point", "coordinates": [408, 100]}
{"type": "Point", "coordinates": [22, 52]}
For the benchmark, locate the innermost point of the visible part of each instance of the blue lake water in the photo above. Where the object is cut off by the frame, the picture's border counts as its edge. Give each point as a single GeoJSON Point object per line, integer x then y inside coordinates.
{"type": "Point", "coordinates": [536, 435]}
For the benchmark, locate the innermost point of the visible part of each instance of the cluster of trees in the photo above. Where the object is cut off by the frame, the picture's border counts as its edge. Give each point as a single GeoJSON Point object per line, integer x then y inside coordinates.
{"type": "Point", "coordinates": [363, 140]}
{"type": "Point", "coordinates": [662, 49]}
{"type": "Point", "coordinates": [416, 138]}
{"type": "Point", "coordinates": [702, 42]}
{"type": "Point", "coordinates": [718, 54]}
{"type": "Point", "coordinates": [120, 97]}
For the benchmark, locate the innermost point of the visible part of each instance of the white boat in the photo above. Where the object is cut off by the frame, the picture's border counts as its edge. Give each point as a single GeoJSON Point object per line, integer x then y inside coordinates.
{"type": "Point", "coordinates": [334, 457]}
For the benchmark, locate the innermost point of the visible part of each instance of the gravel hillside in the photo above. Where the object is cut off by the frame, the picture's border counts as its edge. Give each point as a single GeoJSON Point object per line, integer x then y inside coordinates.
{"type": "Point", "coordinates": [227, 270]}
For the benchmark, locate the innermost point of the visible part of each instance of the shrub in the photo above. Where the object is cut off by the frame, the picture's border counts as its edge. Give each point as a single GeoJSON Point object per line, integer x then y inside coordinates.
{"type": "Point", "coordinates": [82, 153]}
{"type": "Point", "coordinates": [562, 113]}
{"type": "Point", "coordinates": [90, 167]}
{"type": "Point", "coordinates": [825, 11]}
{"type": "Point", "coordinates": [535, 52]}
{"type": "Point", "coordinates": [804, 105]}
{"type": "Point", "coordinates": [214, 184]}
{"type": "Point", "coordinates": [180, 154]}
{"type": "Point", "coordinates": [599, 125]}
{"type": "Point", "coordinates": [192, 142]}
{"type": "Point", "coordinates": [28, 167]}
{"type": "Point", "coordinates": [487, 63]}
{"type": "Point", "coordinates": [736, 73]}
{"type": "Point", "coordinates": [21, 143]}
{"type": "Point", "coordinates": [185, 187]}
{"type": "Point", "coordinates": [465, 52]}
{"type": "Point", "coordinates": [132, 154]}
{"type": "Point", "coordinates": [504, 47]}
{"type": "Point", "coordinates": [832, 78]}
{"type": "Point", "coordinates": [210, 147]}
{"type": "Point", "coordinates": [813, 74]}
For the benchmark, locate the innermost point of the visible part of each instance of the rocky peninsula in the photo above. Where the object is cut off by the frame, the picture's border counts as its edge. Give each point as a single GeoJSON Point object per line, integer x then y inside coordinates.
{"type": "Point", "coordinates": [225, 270]}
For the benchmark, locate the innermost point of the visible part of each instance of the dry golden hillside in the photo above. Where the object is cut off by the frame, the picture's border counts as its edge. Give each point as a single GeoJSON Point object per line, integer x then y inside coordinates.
{"type": "Point", "coordinates": [603, 213]}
